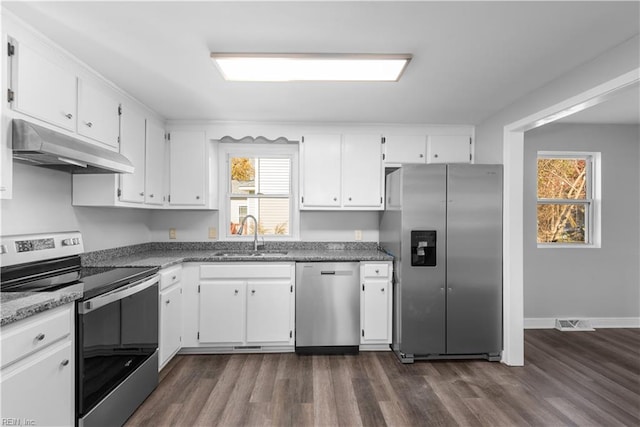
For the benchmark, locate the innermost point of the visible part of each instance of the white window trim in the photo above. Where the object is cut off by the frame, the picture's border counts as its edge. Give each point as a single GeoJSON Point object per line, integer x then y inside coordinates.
{"type": "Point", "coordinates": [225, 150]}
{"type": "Point", "coordinates": [594, 186]}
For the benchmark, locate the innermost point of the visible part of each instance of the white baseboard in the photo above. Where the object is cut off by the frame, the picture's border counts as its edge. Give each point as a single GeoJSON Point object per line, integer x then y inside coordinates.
{"type": "Point", "coordinates": [596, 322]}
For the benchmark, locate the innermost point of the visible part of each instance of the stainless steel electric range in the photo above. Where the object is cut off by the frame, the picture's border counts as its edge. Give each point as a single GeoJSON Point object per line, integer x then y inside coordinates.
{"type": "Point", "coordinates": [116, 321]}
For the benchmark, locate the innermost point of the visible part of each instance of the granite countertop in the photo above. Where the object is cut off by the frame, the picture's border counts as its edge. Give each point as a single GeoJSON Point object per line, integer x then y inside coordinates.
{"type": "Point", "coordinates": [167, 258]}
{"type": "Point", "coordinates": [20, 305]}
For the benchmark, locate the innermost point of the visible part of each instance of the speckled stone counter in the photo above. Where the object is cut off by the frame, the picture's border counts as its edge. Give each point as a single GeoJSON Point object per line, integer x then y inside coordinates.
{"type": "Point", "coordinates": [166, 254]}
{"type": "Point", "coordinates": [20, 305]}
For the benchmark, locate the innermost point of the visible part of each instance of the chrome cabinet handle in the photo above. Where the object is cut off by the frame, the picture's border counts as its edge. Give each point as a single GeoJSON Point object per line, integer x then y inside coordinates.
{"type": "Point", "coordinates": [65, 362]}
{"type": "Point", "coordinates": [69, 116]}
{"type": "Point", "coordinates": [377, 271]}
{"type": "Point", "coordinates": [151, 195]}
{"type": "Point", "coordinates": [335, 199]}
{"type": "Point", "coordinates": [142, 193]}
{"type": "Point", "coordinates": [89, 124]}
{"type": "Point", "coordinates": [197, 197]}
{"type": "Point", "coordinates": [39, 337]}
{"type": "Point", "coordinates": [435, 155]}
{"type": "Point", "coordinates": [235, 292]}
{"type": "Point", "coordinates": [167, 301]}
{"type": "Point", "coordinates": [349, 198]}
{"type": "Point", "coordinates": [381, 289]}
{"type": "Point", "coordinates": [173, 278]}
{"type": "Point", "coordinates": [253, 291]}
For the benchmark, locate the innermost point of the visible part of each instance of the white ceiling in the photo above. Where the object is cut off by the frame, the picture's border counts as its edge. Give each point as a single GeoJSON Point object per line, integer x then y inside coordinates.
{"type": "Point", "coordinates": [470, 59]}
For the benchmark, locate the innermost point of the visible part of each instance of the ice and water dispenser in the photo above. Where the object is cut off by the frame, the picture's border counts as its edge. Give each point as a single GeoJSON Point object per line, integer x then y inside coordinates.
{"type": "Point", "coordinates": [423, 248]}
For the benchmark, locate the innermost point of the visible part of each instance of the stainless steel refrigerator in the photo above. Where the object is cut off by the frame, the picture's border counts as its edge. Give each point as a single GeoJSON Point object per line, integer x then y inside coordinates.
{"type": "Point", "coordinates": [443, 225]}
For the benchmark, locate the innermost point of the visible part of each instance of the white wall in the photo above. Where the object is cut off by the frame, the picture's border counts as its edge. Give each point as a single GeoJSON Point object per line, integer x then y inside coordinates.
{"type": "Point", "coordinates": [42, 203]}
{"type": "Point", "coordinates": [314, 226]}
{"type": "Point", "coordinates": [587, 283]}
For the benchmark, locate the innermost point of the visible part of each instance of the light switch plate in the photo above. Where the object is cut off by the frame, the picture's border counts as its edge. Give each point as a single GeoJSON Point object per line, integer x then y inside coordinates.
{"type": "Point", "coordinates": [213, 232]}
{"type": "Point", "coordinates": [172, 233]}
{"type": "Point", "coordinates": [358, 235]}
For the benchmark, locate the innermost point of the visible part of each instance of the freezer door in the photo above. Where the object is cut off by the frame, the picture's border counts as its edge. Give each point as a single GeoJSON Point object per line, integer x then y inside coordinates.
{"type": "Point", "coordinates": [474, 259]}
{"type": "Point", "coordinates": [422, 288]}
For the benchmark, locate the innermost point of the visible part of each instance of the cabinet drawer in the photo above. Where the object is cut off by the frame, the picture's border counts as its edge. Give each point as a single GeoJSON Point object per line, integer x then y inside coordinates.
{"type": "Point", "coordinates": [26, 336]}
{"type": "Point", "coordinates": [169, 276]}
{"type": "Point", "coordinates": [243, 271]}
{"type": "Point", "coordinates": [376, 270]}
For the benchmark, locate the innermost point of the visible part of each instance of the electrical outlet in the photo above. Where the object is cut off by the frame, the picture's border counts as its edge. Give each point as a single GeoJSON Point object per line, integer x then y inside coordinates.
{"type": "Point", "coordinates": [213, 232]}
{"type": "Point", "coordinates": [358, 235]}
{"type": "Point", "coordinates": [172, 233]}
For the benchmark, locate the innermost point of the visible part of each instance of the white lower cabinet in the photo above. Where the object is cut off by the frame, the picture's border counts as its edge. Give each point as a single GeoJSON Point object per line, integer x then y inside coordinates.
{"type": "Point", "coordinates": [222, 312]}
{"type": "Point", "coordinates": [38, 364]}
{"type": "Point", "coordinates": [170, 313]}
{"type": "Point", "coordinates": [246, 305]}
{"type": "Point", "coordinates": [375, 302]}
{"type": "Point", "coordinates": [269, 311]}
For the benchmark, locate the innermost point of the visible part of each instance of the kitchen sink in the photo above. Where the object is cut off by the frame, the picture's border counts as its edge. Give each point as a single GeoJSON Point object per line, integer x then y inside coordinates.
{"type": "Point", "coordinates": [243, 254]}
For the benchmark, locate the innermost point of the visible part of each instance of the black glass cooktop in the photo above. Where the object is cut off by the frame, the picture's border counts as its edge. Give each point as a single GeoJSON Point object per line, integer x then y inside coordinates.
{"type": "Point", "coordinates": [99, 280]}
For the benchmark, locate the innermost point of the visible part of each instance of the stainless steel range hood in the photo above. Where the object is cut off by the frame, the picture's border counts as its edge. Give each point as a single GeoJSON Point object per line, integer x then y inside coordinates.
{"type": "Point", "coordinates": [40, 146]}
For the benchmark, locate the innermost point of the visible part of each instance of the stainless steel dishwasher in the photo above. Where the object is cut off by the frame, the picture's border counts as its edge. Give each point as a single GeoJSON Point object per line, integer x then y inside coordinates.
{"type": "Point", "coordinates": [327, 307]}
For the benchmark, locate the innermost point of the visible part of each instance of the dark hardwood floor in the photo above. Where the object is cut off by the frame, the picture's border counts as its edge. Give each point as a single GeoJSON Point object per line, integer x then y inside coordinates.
{"type": "Point", "coordinates": [569, 378]}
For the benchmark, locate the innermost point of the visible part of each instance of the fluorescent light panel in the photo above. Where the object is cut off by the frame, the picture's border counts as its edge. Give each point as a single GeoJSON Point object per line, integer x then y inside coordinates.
{"type": "Point", "coordinates": [310, 67]}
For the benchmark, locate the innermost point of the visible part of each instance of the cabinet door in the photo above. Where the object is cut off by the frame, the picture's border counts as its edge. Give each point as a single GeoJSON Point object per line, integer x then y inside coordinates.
{"type": "Point", "coordinates": [320, 171]}
{"type": "Point", "coordinates": [42, 89]}
{"type": "Point", "coordinates": [449, 149]}
{"type": "Point", "coordinates": [98, 116]}
{"type": "Point", "coordinates": [269, 312]}
{"type": "Point", "coordinates": [405, 149]}
{"type": "Point", "coordinates": [170, 322]}
{"type": "Point", "coordinates": [222, 312]}
{"type": "Point", "coordinates": [187, 158]}
{"type": "Point", "coordinates": [154, 164]}
{"type": "Point", "coordinates": [375, 318]}
{"type": "Point", "coordinates": [40, 389]}
{"type": "Point", "coordinates": [132, 146]}
{"type": "Point", "coordinates": [362, 171]}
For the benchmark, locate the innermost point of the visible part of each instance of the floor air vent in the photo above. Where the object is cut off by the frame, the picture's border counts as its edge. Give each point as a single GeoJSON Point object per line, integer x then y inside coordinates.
{"type": "Point", "coordinates": [573, 325]}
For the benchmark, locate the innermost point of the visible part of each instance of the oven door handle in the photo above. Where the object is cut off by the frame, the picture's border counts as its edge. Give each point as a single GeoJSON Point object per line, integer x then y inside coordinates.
{"type": "Point", "coordinates": [116, 294]}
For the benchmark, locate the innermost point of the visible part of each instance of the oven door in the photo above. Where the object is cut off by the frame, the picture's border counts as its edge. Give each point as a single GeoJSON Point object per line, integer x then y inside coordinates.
{"type": "Point", "coordinates": [117, 332]}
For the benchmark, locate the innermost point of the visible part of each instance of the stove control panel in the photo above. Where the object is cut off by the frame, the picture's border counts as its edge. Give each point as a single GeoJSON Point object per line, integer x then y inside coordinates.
{"type": "Point", "coordinates": [19, 249]}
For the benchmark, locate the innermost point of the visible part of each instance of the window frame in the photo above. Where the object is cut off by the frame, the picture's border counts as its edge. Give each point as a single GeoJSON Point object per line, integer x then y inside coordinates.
{"type": "Point", "coordinates": [592, 202]}
{"type": "Point", "coordinates": [256, 150]}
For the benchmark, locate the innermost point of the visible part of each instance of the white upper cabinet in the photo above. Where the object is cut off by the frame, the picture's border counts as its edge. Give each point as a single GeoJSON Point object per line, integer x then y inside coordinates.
{"type": "Point", "coordinates": [362, 176]}
{"type": "Point", "coordinates": [449, 149]}
{"type": "Point", "coordinates": [132, 146]}
{"type": "Point", "coordinates": [191, 179]}
{"type": "Point", "coordinates": [405, 149]}
{"type": "Point", "coordinates": [321, 171]}
{"type": "Point", "coordinates": [98, 113]}
{"type": "Point", "coordinates": [417, 149]}
{"type": "Point", "coordinates": [142, 142]}
{"type": "Point", "coordinates": [187, 163]}
{"type": "Point", "coordinates": [154, 164]}
{"type": "Point", "coordinates": [41, 88]}
{"type": "Point", "coordinates": [341, 172]}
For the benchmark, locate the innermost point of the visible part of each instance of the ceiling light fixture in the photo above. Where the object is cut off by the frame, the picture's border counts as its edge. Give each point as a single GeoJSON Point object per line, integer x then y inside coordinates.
{"type": "Point", "coordinates": [299, 67]}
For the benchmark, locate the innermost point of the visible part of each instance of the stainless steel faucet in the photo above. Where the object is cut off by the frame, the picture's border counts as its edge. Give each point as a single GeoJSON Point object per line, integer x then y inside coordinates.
{"type": "Point", "coordinates": [255, 230]}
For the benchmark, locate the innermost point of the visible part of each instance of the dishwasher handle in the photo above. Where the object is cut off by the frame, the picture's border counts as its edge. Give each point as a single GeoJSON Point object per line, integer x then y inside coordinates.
{"type": "Point", "coordinates": [336, 273]}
